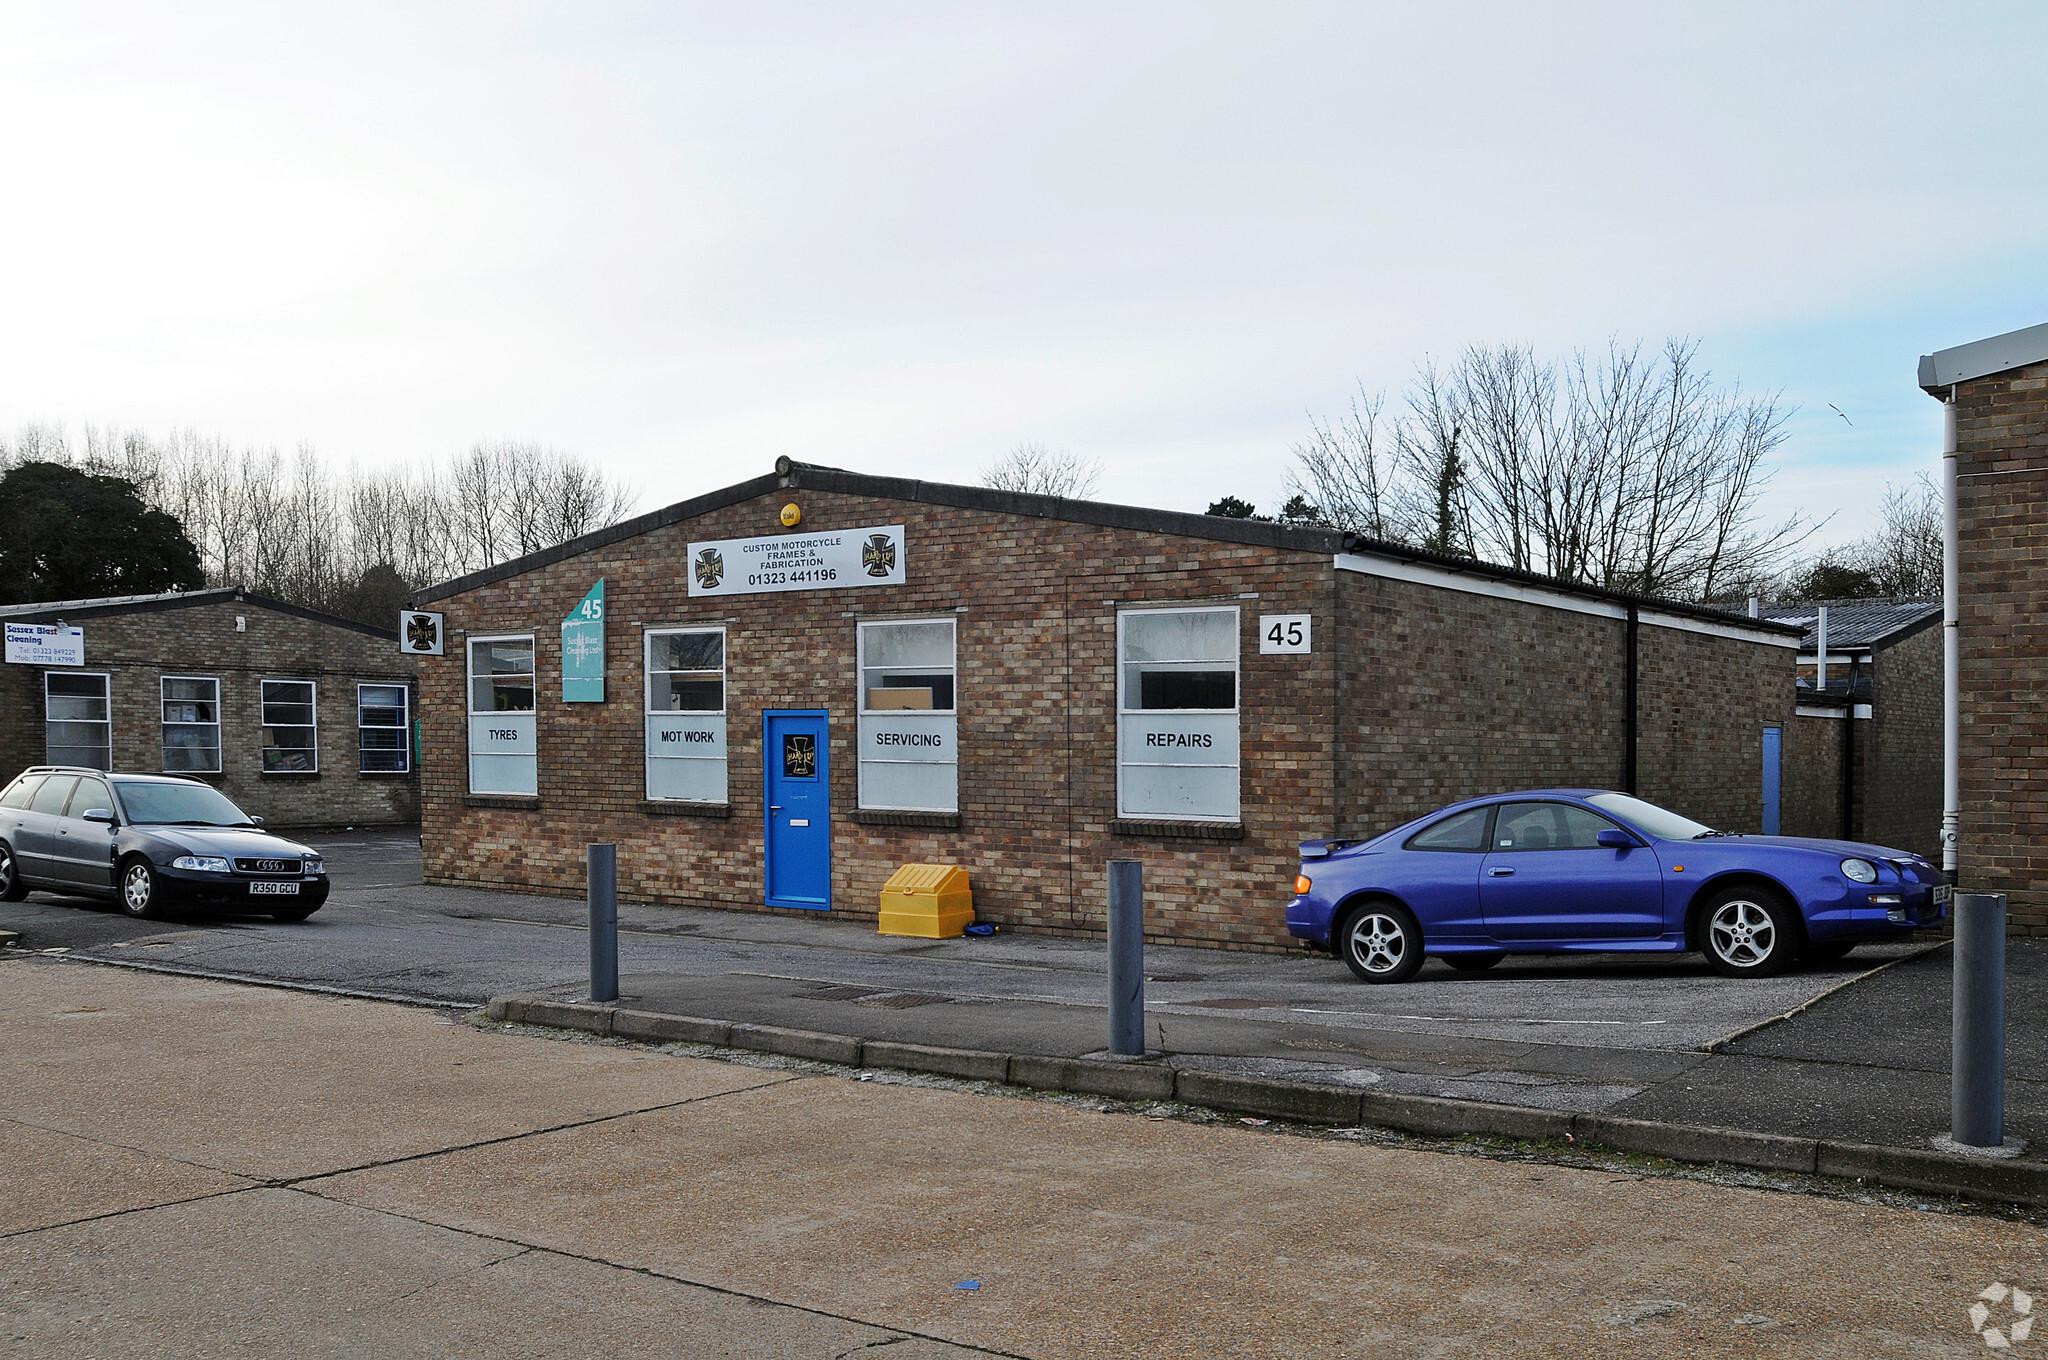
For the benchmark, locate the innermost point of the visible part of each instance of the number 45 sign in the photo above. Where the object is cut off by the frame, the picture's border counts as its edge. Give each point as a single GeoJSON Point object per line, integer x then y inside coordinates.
{"type": "Point", "coordinates": [1283, 633]}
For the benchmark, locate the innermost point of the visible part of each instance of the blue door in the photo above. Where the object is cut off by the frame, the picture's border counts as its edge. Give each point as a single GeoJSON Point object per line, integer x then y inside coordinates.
{"type": "Point", "coordinates": [798, 780]}
{"type": "Point", "coordinates": [1547, 877]}
{"type": "Point", "coordinates": [1774, 745]}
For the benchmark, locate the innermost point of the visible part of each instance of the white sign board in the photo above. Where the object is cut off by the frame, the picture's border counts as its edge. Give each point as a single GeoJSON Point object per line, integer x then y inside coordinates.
{"type": "Point", "coordinates": [42, 644]}
{"type": "Point", "coordinates": [1283, 633]}
{"type": "Point", "coordinates": [829, 561]}
{"type": "Point", "coordinates": [419, 633]}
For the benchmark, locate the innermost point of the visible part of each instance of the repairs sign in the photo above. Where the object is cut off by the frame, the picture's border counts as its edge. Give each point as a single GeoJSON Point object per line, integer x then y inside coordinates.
{"type": "Point", "coordinates": [42, 644]}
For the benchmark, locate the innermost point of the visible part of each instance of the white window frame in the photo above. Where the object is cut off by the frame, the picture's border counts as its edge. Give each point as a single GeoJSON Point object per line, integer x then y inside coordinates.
{"type": "Point", "coordinates": [471, 712]}
{"type": "Point", "coordinates": [263, 722]}
{"type": "Point", "coordinates": [649, 711]}
{"type": "Point", "coordinates": [165, 724]}
{"type": "Point", "coordinates": [404, 727]}
{"type": "Point", "coordinates": [1235, 711]}
{"type": "Point", "coordinates": [864, 713]}
{"type": "Point", "coordinates": [106, 680]}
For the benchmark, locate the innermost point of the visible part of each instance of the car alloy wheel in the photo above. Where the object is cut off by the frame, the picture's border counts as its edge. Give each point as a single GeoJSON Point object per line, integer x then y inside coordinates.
{"type": "Point", "coordinates": [12, 889]}
{"type": "Point", "coordinates": [1381, 943]}
{"type": "Point", "coordinates": [138, 888]}
{"type": "Point", "coordinates": [1747, 935]}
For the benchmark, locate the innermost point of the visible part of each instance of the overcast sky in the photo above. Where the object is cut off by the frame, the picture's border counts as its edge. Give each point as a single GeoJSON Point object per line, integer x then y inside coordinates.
{"type": "Point", "coordinates": [684, 239]}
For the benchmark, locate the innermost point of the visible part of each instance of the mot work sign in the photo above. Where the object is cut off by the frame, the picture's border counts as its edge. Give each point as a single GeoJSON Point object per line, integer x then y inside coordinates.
{"type": "Point", "coordinates": [829, 561]}
{"type": "Point", "coordinates": [42, 644]}
{"type": "Point", "coordinates": [583, 650]}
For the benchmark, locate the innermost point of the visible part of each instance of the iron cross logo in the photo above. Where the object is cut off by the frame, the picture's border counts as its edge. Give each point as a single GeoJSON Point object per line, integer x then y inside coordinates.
{"type": "Point", "coordinates": [710, 568]}
{"type": "Point", "coordinates": [799, 757]}
{"type": "Point", "coordinates": [878, 555]}
{"type": "Point", "coordinates": [421, 633]}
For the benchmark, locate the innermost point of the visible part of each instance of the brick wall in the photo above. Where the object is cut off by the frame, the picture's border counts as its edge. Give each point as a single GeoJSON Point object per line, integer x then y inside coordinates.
{"type": "Point", "coordinates": [1899, 758]}
{"type": "Point", "coordinates": [2002, 501]}
{"type": "Point", "coordinates": [1441, 694]}
{"type": "Point", "coordinates": [1037, 603]}
{"type": "Point", "coordinates": [1703, 705]}
{"type": "Point", "coordinates": [1811, 773]}
{"type": "Point", "coordinates": [136, 649]}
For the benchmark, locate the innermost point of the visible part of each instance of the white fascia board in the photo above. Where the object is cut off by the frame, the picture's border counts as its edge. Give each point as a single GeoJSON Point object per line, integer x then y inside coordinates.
{"type": "Point", "coordinates": [1816, 711]}
{"type": "Point", "coordinates": [1472, 583]}
{"type": "Point", "coordinates": [1834, 659]}
{"type": "Point", "coordinates": [1982, 358]}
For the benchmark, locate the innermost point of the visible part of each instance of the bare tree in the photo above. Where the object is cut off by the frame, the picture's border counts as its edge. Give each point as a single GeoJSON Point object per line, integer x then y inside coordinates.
{"type": "Point", "coordinates": [1630, 471]}
{"type": "Point", "coordinates": [1346, 473]}
{"type": "Point", "coordinates": [1042, 472]}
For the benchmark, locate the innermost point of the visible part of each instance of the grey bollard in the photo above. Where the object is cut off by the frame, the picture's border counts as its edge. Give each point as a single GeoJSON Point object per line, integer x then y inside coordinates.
{"type": "Point", "coordinates": [1977, 1062]}
{"type": "Point", "coordinates": [603, 878]}
{"type": "Point", "coordinates": [1126, 957]}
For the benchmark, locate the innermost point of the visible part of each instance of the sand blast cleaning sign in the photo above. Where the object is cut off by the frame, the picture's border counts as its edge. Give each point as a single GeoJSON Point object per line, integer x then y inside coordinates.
{"type": "Point", "coordinates": [41, 644]}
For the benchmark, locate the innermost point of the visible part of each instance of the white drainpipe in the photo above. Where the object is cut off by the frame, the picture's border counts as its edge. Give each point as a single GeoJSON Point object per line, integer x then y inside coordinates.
{"type": "Point", "coordinates": [1951, 648]}
{"type": "Point", "coordinates": [1820, 675]}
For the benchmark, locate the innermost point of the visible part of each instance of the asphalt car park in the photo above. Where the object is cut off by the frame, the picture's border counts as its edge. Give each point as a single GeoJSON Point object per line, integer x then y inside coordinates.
{"type": "Point", "coordinates": [383, 932]}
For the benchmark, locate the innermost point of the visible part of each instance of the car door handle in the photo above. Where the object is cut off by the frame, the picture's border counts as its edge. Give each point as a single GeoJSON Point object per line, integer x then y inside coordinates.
{"type": "Point", "coordinates": [1500, 873]}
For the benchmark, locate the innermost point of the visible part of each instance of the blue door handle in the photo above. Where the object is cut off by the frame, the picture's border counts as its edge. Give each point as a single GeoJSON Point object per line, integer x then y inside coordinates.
{"type": "Point", "coordinates": [1500, 873]}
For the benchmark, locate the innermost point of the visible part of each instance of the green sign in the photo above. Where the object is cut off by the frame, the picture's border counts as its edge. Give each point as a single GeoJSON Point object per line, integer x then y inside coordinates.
{"type": "Point", "coordinates": [583, 650]}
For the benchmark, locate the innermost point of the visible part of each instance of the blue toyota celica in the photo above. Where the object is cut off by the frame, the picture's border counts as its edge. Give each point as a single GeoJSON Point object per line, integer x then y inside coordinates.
{"type": "Point", "coordinates": [1580, 870]}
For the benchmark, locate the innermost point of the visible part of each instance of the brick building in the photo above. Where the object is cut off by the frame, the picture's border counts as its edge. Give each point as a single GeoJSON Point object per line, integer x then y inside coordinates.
{"type": "Point", "coordinates": [1999, 392]}
{"type": "Point", "coordinates": [1863, 756]}
{"type": "Point", "coordinates": [303, 718]}
{"type": "Point", "coordinates": [1028, 687]}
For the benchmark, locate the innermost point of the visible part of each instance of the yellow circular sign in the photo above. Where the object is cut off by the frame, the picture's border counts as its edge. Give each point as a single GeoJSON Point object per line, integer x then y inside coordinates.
{"type": "Point", "coordinates": [791, 516]}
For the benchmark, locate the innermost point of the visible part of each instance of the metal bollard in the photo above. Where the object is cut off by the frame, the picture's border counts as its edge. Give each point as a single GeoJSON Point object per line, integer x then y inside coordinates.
{"type": "Point", "coordinates": [1126, 957]}
{"type": "Point", "coordinates": [1977, 1062]}
{"type": "Point", "coordinates": [602, 874]}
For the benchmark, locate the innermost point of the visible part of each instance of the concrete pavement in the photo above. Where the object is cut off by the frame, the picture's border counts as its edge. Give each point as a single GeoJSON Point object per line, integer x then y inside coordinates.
{"type": "Point", "coordinates": [281, 1173]}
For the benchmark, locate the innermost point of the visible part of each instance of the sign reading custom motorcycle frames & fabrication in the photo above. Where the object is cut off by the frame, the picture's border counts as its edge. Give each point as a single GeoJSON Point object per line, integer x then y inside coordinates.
{"type": "Point", "coordinates": [41, 644]}
{"type": "Point", "coordinates": [828, 561]}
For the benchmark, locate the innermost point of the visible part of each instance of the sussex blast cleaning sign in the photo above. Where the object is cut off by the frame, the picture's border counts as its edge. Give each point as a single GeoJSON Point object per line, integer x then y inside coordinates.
{"type": "Point", "coordinates": [41, 644]}
{"type": "Point", "coordinates": [829, 561]}
{"type": "Point", "coordinates": [583, 650]}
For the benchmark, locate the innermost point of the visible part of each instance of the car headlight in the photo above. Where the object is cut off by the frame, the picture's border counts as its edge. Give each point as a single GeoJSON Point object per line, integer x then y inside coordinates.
{"type": "Point", "coordinates": [210, 863]}
{"type": "Point", "coordinates": [1862, 870]}
{"type": "Point", "coordinates": [314, 866]}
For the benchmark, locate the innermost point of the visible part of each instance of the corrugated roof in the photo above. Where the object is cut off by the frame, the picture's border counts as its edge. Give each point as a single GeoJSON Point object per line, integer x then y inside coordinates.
{"type": "Point", "coordinates": [1859, 624]}
{"type": "Point", "coordinates": [1310, 538]}
{"type": "Point", "coordinates": [48, 611]}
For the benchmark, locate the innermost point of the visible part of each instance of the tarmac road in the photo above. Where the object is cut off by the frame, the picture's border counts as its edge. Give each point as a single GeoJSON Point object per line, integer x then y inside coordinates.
{"type": "Point", "coordinates": [204, 1168]}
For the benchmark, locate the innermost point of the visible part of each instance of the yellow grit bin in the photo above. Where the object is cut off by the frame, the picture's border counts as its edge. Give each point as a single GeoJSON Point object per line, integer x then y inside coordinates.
{"type": "Point", "coordinates": [927, 900]}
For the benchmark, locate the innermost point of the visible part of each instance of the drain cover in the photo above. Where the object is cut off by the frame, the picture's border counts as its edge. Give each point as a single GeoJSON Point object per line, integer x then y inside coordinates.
{"type": "Point", "coordinates": [838, 991]}
{"type": "Point", "coordinates": [903, 1001]}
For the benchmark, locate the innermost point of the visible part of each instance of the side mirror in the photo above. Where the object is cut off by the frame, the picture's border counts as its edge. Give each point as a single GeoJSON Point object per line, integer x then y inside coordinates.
{"type": "Point", "coordinates": [98, 815]}
{"type": "Point", "coordinates": [1615, 839]}
{"type": "Point", "coordinates": [255, 821]}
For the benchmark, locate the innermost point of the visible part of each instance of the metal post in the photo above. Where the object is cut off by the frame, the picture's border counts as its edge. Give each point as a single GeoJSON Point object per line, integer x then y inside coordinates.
{"type": "Point", "coordinates": [1126, 957]}
{"type": "Point", "coordinates": [1820, 674]}
{"type": "Point", "coordinates": [603, 879]}
{"type": "Point", "coordinates": [1951, 648]}
{"type": "Point", "coordinates": [1977, 1067]}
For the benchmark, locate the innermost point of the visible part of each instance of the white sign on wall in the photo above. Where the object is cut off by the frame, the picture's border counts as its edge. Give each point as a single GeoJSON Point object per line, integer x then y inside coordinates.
{"type": "Point", "coordinates": [1283, 633]}
{"type": "Point", "coordinates": [42, 644]}
{"type": "Point", "coordinates": [829, 561]}
{"type": "Point", "coordinates": [419, 632]}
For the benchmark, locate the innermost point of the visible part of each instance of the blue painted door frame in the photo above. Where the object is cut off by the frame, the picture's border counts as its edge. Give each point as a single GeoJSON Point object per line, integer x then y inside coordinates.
{"type": "Point", "coordinates": [797, 778]}
{"type": "Point", "coordinates": [1774, 741]}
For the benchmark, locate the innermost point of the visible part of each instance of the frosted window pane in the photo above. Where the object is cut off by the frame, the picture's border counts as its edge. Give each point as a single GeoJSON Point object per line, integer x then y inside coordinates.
{"type": "Point", "coordinates": [1192, 635]}
{"type": "Point", "coordinates": [924, 788]}
{"type": "Point", "coordinates": [909, 644]}
{"type": "Point", "coordinates": [700, 781]}
{"type": "Point", "coordinates": [1182, 791]}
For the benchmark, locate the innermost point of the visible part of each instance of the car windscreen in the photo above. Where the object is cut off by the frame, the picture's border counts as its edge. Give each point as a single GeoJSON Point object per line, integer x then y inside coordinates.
{"type": "Point", "coordinates": [162, 804]}
{"type": "Point", "coordinates": [1660, 822]}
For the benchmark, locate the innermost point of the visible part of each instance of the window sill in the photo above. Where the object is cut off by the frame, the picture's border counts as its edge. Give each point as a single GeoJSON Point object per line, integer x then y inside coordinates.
{"type": "Point", "coordinates": [512, 802]}
{"type": "Point", "coordinates": [384, 774]}
{"type": "Point", "coordinates": [1178, 831]}
{"type": "Point", "coordinates": [676, 807]}
{"type": "Point", "coordinates": [937, 821]}
{"type": "Point", "coordinates": [288, 774]}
